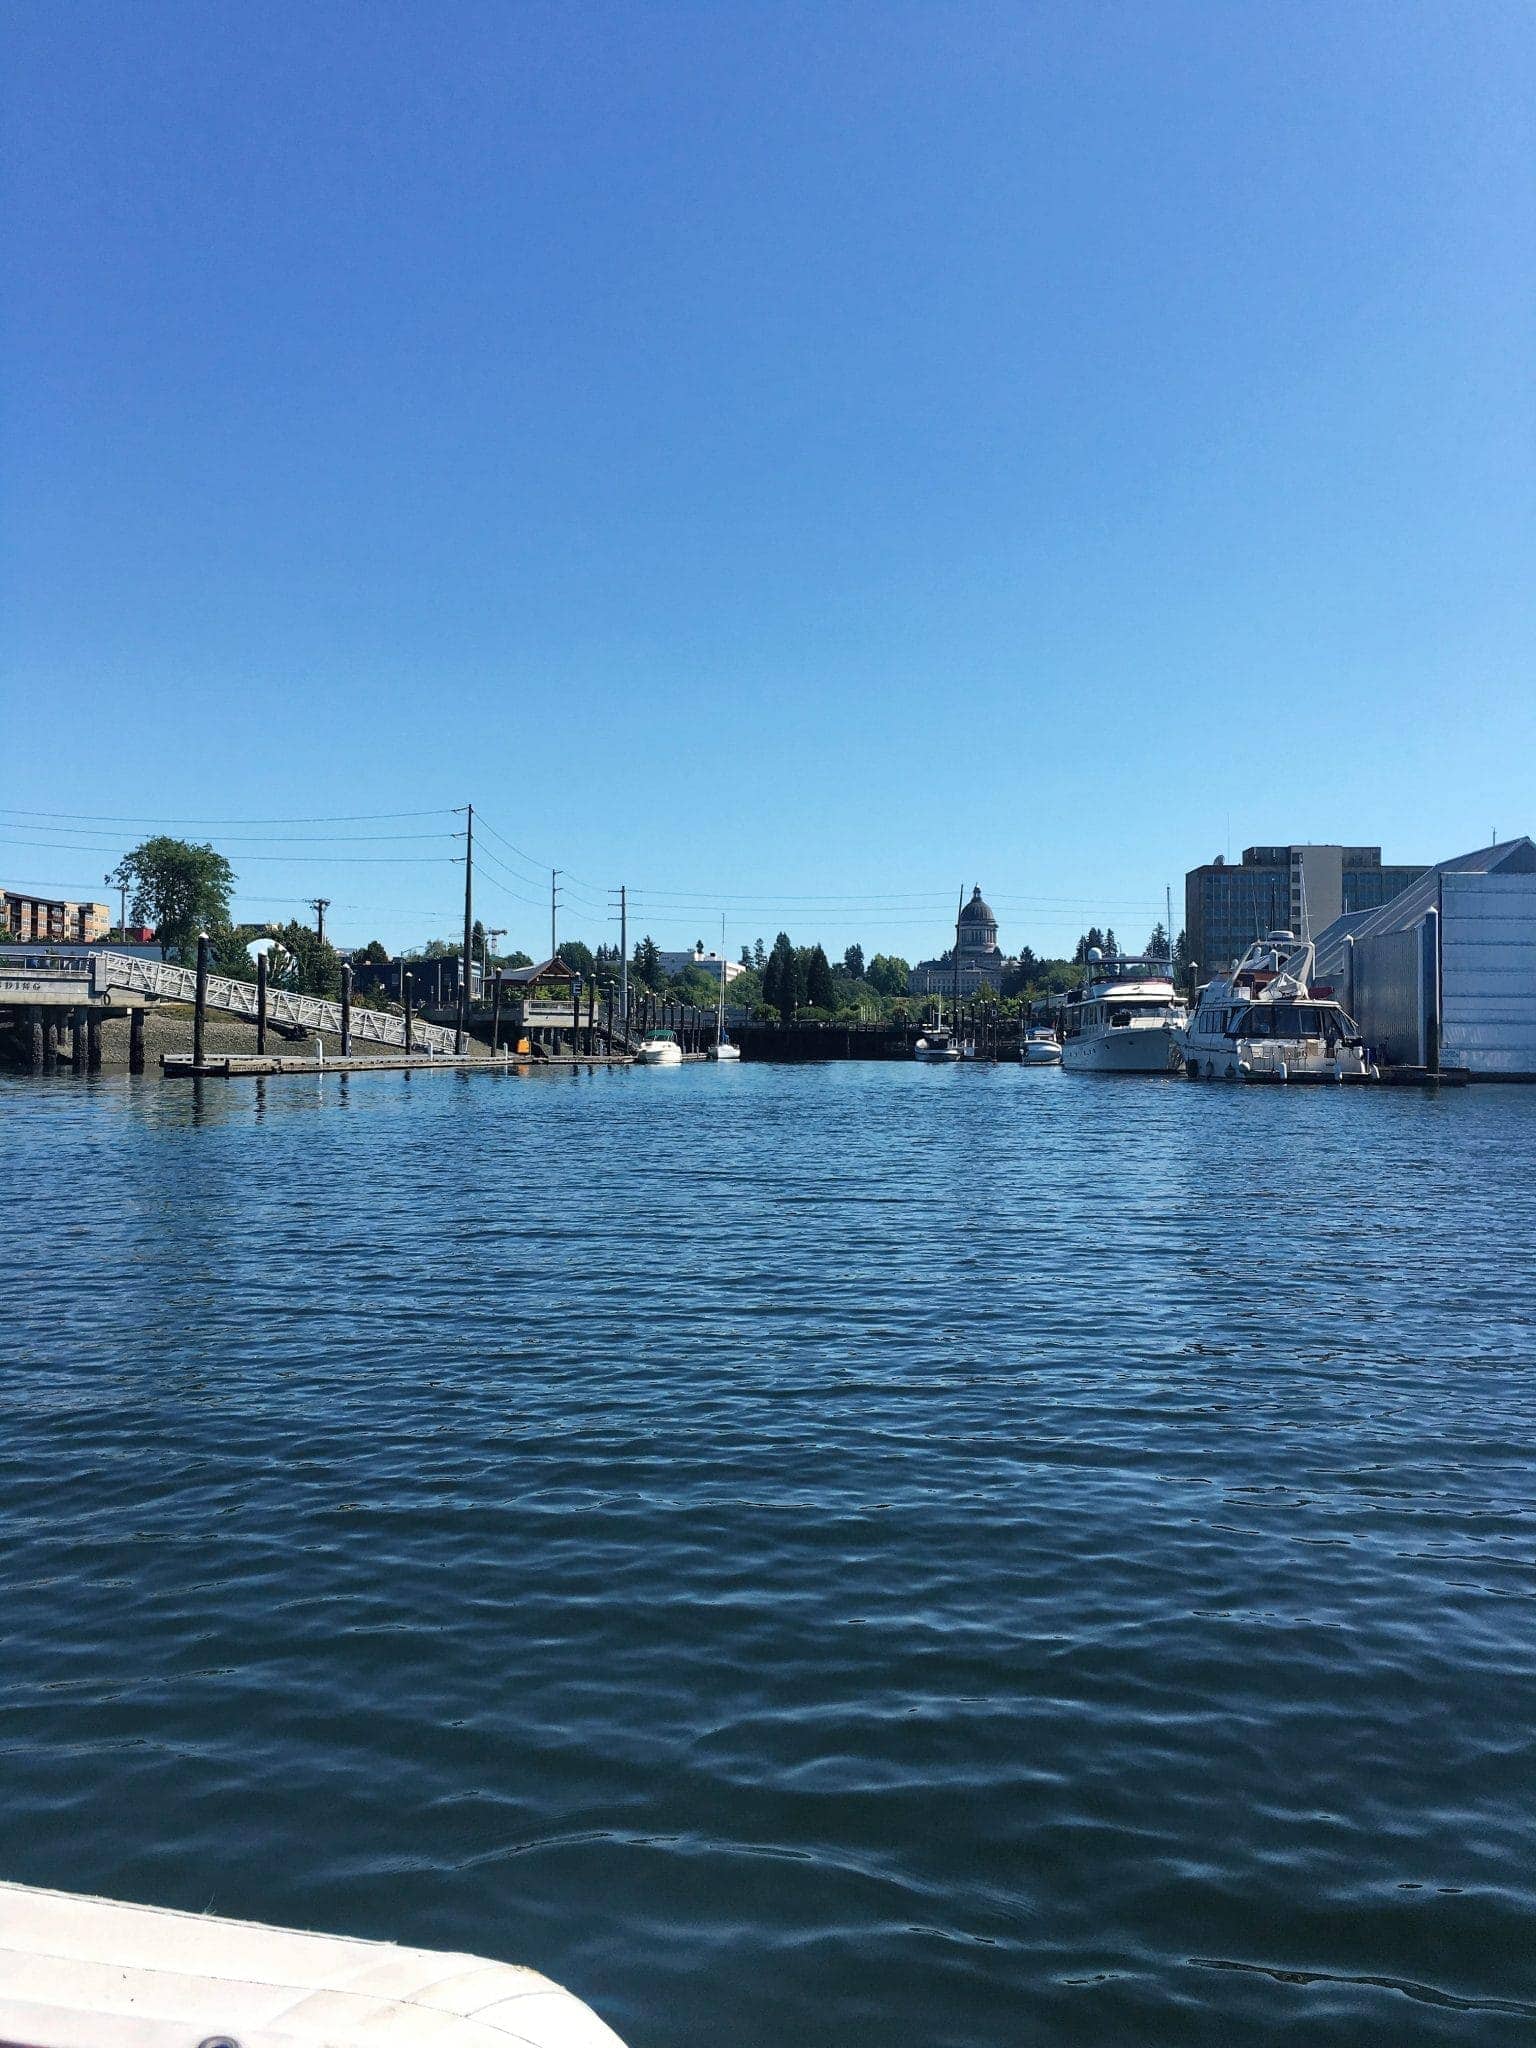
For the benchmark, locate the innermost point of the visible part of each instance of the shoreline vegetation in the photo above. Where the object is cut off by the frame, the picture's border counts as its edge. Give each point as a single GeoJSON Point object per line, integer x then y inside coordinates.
{"type": "Point", "coordinates": [180, 889]}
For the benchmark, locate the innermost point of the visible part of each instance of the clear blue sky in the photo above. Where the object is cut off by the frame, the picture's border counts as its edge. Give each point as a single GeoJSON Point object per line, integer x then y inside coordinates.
{"type": "Point", "coordinates": [765, 454]}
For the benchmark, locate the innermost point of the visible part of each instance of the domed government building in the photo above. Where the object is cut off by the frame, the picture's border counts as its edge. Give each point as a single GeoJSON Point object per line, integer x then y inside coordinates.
{"type": "Point", "coordinates": [981, 960]}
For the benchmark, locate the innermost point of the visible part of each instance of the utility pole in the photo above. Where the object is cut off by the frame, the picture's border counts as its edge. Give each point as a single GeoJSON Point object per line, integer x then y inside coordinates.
{"type": "Point", "coordinates": [624, 955]}
{"type": "Point", "coordinates": [320, 905]}
{"type": "Point", "coordinates": [553, 874]}
{"type": "Point", "coordinates": [122, 917]}
{"type": "Point", "coordinates": [461, 1036]}
{"type": "Point", "coordinates": [491, 949]}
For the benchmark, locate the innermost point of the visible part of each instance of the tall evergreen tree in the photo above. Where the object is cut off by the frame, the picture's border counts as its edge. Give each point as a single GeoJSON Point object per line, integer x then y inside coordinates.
{"type": "Point", "coordinates": [819, 992]}
{"type": "Point", "coordinates": [783, 979]}
{"type": "Point", "coordinates": [759, 957]}
{"type": "Point", "coordinates": [853, 962]}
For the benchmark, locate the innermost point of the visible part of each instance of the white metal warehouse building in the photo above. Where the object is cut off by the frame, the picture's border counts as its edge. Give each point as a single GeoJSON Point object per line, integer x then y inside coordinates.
{"type": "Point", "coordinates": [1445, 974]}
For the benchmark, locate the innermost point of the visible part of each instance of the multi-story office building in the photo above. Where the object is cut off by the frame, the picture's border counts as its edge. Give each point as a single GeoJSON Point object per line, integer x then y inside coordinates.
{"type": "Point", "coordinates": [712, 964]}
{"type": "Point", "coordinates": [1281, 888]}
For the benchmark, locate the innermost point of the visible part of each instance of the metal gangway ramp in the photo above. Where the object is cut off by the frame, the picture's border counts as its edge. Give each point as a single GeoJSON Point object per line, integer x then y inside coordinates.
{"type": "Point", "coordinates": [111, 971]}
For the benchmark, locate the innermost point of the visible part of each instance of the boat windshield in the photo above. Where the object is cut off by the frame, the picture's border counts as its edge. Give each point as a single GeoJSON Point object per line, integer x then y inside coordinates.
{"type": "Point", "coordinates": [1294, 1020]}
{"type": "Point", "coordinates": [1122, 1012]}
{"type": "Point", "coordinates": [661, 1037]}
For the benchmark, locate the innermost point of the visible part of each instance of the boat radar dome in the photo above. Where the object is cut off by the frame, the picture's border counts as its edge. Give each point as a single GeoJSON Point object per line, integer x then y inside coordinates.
{"type": "Point", "coordinates": [1282, 938]}
{"type": "Point", "coordinates": [1094, 953]}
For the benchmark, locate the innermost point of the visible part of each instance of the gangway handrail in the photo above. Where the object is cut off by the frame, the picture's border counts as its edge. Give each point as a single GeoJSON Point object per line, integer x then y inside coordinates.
{"type": "Point", "coordinates": [313, 1013]}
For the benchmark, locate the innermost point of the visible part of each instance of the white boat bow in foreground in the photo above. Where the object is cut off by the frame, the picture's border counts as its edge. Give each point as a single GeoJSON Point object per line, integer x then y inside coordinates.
{"type": "Point", "coordinates": [93, 1973]}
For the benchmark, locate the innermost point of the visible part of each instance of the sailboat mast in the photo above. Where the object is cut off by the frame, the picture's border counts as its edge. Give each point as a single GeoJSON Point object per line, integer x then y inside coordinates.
{"type": "Point", "coordinates": [959, 912]}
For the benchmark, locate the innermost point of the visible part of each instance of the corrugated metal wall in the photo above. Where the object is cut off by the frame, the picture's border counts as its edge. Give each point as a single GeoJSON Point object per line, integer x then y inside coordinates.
{"type": "Point", "coordinates": [1388, 1004]}
{"type": "Point", "coordinates": [1488, 973]}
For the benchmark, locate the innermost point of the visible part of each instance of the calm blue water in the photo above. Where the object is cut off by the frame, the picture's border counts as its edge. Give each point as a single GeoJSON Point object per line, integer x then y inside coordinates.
{"type": "Point", "coordinates": [804, 1555]}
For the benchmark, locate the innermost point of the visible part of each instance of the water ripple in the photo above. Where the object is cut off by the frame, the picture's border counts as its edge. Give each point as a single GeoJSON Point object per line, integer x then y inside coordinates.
{"type": "Point", "coordinates": [840, 1554]}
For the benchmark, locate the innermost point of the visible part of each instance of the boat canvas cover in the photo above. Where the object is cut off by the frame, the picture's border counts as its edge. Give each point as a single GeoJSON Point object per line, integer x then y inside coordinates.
{"type": "Point", "coordinates": [93, 1973]}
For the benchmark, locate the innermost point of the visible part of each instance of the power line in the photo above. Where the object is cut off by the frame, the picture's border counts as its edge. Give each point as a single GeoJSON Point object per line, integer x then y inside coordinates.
{"type": "Point", "coordinates": [266, 839]}
{"type": "Point", "coordinates": [543, 866]}
{"type": "Point", "coordinates": [292, 859]}
{"type": "Point", "coordinates": [505, 886]}
{"type": "Point", "coordinates": [343, 818]}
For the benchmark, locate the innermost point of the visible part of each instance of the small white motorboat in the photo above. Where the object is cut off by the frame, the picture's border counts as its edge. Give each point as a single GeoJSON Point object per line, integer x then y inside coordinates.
{"type": "Point", "coordinates": [937, 1046]}
{"type": "Point", "coordinates": [80, 1972]}
{"type": "Point", "coordinates": [659, 1049]}
{"type": "Point", "coordinates": [1039, 1048]}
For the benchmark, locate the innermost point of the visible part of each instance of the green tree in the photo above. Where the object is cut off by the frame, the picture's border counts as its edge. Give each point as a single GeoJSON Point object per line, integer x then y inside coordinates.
{"type": "Point", "coordinates": [579, 956]}
{"type": "Point", "coordinates": [887, 974]}
{"type": "Point", "coordinates": [853, 962]}
{"type": "Point", "coordinates": [371, 955]}
{"type": "Point", "coordinates": [818, 980]}
{"type": "Point", "coordinates": [515, 960]}
{"type": "Point", "coordinates": [1183, 967]}
{"type": "Point", "coordinates": [1111, 943]}
{"type": "Point", "coordinates": [231, 950]}
{"type": "Point", "coordinates": [783, 978]}
{"type": "Point", "coordinates": [1157, 944]}
{"type": "Point", "coordinates": [646, 965]}
{"type": "Point", "coordinates": [311, 965]}
{"type": "Point", "coordinates": [179, 888]}
{"type": "Point", "coordinates": [694, 986]}
{"type": "Point", "coordinates": [746, 958]}
{"type": "Point", "coordinates": [759, 957]}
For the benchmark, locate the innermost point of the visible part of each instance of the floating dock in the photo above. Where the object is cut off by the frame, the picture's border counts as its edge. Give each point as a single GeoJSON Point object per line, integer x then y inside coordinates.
{"type": "Point", "coordinates": [183, 1066]}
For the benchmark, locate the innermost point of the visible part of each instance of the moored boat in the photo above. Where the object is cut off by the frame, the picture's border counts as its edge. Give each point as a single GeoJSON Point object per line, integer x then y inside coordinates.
{"type": "Point", "coordinates": [937, 1046]}
{"type": "Point", "coordinates": [659, 1049]}
{"type": "Point", "coordinates": [1039, 1047]}
{"type": "Point", "coordinates": [722, 1049]}
{"type": "Point", "coordinates": [1124, 1017]}
{"type": "Point", "coordinates": [1268, 1020]}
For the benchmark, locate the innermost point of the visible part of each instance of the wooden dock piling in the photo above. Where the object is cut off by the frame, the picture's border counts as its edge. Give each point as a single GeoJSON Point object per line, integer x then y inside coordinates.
{"type": "Point", "coordinates": [200, 1000]}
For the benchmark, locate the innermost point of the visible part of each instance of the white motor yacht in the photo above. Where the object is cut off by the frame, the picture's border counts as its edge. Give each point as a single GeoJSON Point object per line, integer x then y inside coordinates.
{"type": "Point", "coordinates": [1124, 1017]}
{"type": "Point", "coordinates": [1039, 1047]}
{"type": "Point", "coordinates": [659, 1049]}
{"type": "Point", "coordinates": [1266, 1020]}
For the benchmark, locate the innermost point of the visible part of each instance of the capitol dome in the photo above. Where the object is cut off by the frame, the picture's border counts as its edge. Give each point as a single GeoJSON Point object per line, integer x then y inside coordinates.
{"type": "Point", "coordinates": [977, 911]}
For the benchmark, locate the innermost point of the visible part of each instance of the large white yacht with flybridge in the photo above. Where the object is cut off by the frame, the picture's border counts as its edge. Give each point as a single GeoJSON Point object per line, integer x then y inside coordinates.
{"type": "Point", "coordinates": [1124, 1017]}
